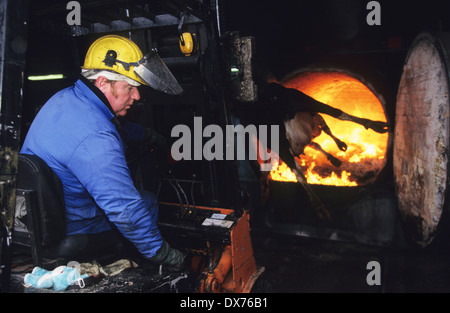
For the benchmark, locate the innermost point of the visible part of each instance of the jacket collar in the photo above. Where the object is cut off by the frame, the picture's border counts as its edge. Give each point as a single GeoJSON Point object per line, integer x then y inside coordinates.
{"type": "Point", "coordinates": [86, 86]}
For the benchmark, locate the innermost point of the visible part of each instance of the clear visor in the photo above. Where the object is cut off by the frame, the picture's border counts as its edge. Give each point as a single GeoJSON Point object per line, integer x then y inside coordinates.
{"type": "Point", "coordinates": [152, 70]}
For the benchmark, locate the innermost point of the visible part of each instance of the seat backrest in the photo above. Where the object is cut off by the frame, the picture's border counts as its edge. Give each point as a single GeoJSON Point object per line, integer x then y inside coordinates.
{"type": "Point", "coordinates": [35, 175]}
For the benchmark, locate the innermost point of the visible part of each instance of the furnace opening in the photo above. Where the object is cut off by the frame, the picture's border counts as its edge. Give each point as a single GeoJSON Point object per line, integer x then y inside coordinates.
{"type": "Point", "coordinates": [366, 154]}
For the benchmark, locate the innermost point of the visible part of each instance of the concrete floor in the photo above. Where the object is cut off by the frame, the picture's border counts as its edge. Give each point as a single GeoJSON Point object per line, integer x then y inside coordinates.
{"type": "Point", "coordinates": [306, 265]}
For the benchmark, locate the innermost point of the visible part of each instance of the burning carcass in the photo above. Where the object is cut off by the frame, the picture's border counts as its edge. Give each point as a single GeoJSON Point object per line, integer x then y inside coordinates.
{"type": "Point", "coordinates": [331, 150]}
{"type": "Point", "coordinates": [365, 137]}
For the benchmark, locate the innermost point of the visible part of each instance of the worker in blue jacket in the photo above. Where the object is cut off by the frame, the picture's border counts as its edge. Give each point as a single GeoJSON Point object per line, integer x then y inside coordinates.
{"type": "Point", "coordinates": [78, 135]}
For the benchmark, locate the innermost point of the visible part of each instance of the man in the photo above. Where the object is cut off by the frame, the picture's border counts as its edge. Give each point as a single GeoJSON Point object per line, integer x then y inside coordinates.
{"type": "Point", "coordinates": [77, 134]}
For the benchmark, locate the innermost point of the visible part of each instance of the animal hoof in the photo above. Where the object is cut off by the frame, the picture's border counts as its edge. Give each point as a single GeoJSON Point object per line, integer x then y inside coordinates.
{"type": "Point", "coordinates": [343, 146]}
{"type": "Point", "coordinates": [379, 127]}
{"type": "Point", "coordinates": [334, 161]}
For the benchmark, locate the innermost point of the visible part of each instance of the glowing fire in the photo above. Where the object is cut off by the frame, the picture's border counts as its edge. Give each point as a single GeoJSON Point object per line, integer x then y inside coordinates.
{"type": "Point", "coordinates": [365, 155]}
{"type": "Point", "coordinates": [281, 172]}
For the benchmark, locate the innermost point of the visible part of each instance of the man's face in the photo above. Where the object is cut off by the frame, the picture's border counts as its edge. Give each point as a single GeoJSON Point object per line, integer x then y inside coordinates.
{"type": "Point", "coordinates": [120, 95]}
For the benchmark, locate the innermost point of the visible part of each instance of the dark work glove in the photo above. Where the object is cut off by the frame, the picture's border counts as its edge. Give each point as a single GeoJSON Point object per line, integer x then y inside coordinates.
{"type": "Point", "coordinates": [171, 258]}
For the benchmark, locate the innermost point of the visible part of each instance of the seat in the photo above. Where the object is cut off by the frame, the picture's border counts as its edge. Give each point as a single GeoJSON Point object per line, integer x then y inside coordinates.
{"type": "Point", "coordinates": [39, 207]}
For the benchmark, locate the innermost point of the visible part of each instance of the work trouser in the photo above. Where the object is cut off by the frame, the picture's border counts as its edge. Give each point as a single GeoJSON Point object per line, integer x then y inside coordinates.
{"type": "Point", "coordinates": [87, 246]}
{"type": "Point", "coordinates": [84, 247]}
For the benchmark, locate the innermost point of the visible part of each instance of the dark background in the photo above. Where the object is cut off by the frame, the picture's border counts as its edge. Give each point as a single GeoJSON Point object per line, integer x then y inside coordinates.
{"type": "Point", "coordinates": [290, 35]}
{"type": "Point", "coordinates": [293, 34]}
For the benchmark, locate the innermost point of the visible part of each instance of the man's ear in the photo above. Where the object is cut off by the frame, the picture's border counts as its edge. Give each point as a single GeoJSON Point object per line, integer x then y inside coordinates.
{"type": "Point", "coordinates": [102, 83]}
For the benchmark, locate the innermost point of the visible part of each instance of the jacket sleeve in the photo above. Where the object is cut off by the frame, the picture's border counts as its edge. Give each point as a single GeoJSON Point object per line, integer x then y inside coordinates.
{"type": "Point", "coordinates": [100, 166]}
{"type": "Point", "coordinates": [134, 132]}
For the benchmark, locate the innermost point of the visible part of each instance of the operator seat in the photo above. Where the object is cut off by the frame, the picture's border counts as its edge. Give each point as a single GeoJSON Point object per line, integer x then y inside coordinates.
{"type": "Point", "coordinates": [41, 191]}
{"type": "Point", "coordinates": [41, 208]}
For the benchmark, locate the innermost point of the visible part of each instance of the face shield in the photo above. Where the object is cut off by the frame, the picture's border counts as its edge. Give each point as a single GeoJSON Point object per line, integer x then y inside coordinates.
{"type": "Point", "coordinates": [152, 70]}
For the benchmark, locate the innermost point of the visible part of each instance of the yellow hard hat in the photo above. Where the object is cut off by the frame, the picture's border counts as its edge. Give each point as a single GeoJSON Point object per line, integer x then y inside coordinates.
{"type": "Point", "coordinates": [114, 53]}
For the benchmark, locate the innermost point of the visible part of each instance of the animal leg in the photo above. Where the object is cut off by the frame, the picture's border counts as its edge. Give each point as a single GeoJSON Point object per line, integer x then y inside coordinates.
{"type": "Point", "coordinates": [377, 126]}
{"type": "Point", "coordinates": [324, 126]}
{"type": "Point", "coordinates": [335, 161]}
{"type": "Point", "coordinates": [287, 157]}
{"type": "Point", "coordinates": [297, 101]}
{"type": "Point", "coordinates": [317, 204]}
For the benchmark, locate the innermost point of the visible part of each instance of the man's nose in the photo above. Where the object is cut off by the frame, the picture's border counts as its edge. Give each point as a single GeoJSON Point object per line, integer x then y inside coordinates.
{"type": "Point", "coordinates": [135, 94]}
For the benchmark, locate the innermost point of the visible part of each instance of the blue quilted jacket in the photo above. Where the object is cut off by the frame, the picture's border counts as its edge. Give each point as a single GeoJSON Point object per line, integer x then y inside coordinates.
{"type": "Point", "coordinates": [74, 134]}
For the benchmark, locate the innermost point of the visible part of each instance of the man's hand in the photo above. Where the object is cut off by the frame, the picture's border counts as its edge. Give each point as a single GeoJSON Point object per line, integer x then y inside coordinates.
{"type": "Point", "coordinates": [171, 258]}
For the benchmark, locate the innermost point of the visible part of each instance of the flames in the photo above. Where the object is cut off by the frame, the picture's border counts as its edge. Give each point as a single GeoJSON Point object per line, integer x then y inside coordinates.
{"type": "Point", "coordinates": [281, 172]}
{"type": "Point", "coordinates": [366, 152]}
